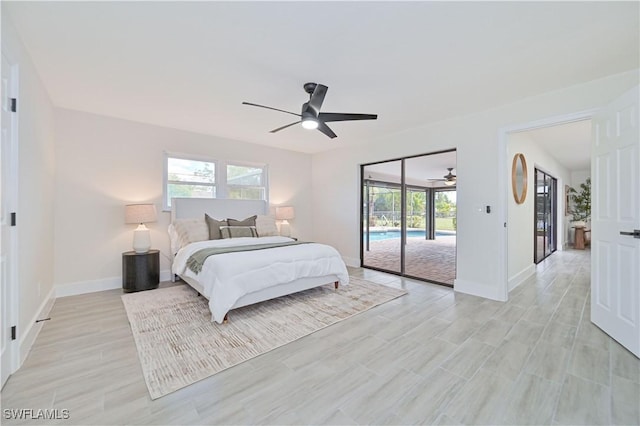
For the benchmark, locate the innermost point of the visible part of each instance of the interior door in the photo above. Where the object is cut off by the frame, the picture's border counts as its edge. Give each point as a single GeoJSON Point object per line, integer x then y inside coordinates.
{"type": "Point", "coordinates": [7, 345]}
{"type": "Point", "coordinates": [615, 266]}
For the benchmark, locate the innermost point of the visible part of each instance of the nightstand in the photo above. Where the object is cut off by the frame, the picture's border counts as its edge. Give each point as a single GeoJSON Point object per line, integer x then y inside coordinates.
{"type": "Point", "coordinates": [140, 271]}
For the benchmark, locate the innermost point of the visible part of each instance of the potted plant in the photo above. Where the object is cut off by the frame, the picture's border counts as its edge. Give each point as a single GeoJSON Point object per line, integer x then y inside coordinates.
{"type": "Point", "coordinates": [581, 201]}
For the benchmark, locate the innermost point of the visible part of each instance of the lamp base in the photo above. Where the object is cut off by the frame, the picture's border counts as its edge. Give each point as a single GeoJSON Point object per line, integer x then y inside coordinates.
{"type": "Point", "coordinates": [285, 229]}
{"type": "Point", "coordinates": [141, 239]}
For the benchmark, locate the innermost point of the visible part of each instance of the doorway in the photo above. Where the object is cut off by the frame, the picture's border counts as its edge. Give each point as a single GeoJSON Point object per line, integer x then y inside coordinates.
{"type": "Point", "coordinates": [408, 213]}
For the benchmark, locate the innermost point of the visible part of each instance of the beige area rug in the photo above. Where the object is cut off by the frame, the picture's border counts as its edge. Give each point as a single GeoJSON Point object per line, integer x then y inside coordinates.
{"type": "Point", "coordinates": [178, 344]}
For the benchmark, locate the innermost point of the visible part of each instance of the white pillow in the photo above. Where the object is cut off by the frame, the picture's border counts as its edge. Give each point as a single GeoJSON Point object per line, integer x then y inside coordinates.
{"type": "Point", "coordinates": [266, 226]}
{"type": "Point", "coordinates": [190, 231]}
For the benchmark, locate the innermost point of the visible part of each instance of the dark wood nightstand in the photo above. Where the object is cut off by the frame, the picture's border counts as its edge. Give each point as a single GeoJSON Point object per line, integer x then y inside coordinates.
{"type": "Point", "coordinates": [140, 271]}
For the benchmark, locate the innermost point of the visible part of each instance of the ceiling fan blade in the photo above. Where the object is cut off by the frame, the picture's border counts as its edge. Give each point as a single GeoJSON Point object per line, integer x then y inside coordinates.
{"type": "Point", "coordinates": [284, 127]}
{"type": "Point", "coordinates": [336, 116]}
{"type": "Point", "coordinates": [275, 109]}
{"type": "Point", "coordinates": [317, 97]}
{"type": "Point", "coordinates": [326, 130]}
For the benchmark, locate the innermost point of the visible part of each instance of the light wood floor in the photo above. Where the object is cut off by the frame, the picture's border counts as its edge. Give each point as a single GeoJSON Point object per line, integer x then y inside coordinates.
{"type": "Point", "coordinates": [432, 356]}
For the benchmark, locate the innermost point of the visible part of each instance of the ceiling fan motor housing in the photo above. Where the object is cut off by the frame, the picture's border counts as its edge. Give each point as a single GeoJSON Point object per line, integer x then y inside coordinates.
{"type": "Point", "coordinates": [309, 112]}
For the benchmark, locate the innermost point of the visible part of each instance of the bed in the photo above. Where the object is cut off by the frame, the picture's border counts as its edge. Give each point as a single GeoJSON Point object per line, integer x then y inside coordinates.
{"type": "Point", "coordinates": [240, 278]}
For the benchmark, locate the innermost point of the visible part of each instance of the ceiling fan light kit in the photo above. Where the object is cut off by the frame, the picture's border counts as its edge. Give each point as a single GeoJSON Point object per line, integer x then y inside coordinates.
{"type": "Point", "coordinates": [311, 118]}
{"type": "Point", "coordinates": [310, 124]}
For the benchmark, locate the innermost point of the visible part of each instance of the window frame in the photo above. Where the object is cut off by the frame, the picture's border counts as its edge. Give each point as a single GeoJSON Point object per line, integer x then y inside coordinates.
{"type": "Point", "coordinates": [221, 188]}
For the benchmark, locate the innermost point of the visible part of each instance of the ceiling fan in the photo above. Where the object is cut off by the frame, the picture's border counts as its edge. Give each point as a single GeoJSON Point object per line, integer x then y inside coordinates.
{"type": "Point", "coordinates": [449, 179]}
{"type": "Point", "coordinates": [311, 117]}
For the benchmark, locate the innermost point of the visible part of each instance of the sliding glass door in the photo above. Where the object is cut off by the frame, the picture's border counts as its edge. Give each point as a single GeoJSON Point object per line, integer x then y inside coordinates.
{"type": "Point", "coordinates": [405, 203]}
{"type": "Point", "coordinates": [545, 240]}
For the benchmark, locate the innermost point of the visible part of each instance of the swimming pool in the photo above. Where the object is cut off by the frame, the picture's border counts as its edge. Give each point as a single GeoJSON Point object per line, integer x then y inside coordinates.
{"type": "Point", "coordinates": [380, 235]}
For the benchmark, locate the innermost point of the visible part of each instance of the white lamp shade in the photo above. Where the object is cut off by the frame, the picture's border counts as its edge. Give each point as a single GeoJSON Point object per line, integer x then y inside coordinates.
{"type": "Point", "coordinates": [285, 213]}
{"type": "Point", "coordinates": [140, 213]}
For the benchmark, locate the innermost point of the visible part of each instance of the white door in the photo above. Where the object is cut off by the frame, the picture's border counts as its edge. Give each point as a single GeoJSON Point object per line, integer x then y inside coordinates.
{"type": "Point", "coordinates": [615, 214]}
{"type": "Point", "coordinates": [8, 347]}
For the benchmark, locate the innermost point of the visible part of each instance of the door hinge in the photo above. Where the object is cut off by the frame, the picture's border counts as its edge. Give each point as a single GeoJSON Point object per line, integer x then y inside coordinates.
{"type": "Point", "coordinates": [13, 218]}
{"type": "Point", "coordinates": [14, 105]}
{"type": "Point", "coordinates": [13, 333]}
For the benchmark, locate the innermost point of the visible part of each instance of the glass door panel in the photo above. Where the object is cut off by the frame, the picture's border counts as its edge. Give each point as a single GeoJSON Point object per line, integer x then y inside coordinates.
{"type": "Point", "coordinates": [545, 215]}
{"type": "Point", "coordinates": [418, 221]}
{"type": "Point", "coordinates": [382, 216]}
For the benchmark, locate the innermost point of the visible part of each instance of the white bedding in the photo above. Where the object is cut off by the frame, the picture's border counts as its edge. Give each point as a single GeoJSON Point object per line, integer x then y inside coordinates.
{"type": "Point", "coordinates": [230, 276]}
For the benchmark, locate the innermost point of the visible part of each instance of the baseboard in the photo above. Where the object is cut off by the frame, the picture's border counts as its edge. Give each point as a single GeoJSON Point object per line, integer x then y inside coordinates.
{"type": "Point", "coordinates": [29, 336]}
{"type": "Point", "coordinates": [92, 286]}
{"type": "Point", "coordinates": [351, 261]}
{"type": "Point", "coordinates": [521, 276]}
{"type": "Point", "coordinates": [478, 289]}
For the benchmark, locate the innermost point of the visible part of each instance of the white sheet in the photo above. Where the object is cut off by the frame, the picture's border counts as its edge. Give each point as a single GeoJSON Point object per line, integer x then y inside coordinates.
{"type": "Point", "coordinates": [227, 277]}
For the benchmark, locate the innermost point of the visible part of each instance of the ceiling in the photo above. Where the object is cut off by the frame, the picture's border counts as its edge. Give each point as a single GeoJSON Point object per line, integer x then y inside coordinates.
{"type": "Point", "coordinates": [569, 144]}
{"type": "Point", "coordinates": [189, 65]}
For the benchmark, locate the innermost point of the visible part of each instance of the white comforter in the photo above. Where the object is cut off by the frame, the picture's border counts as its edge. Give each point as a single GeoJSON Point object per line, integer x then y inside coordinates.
{"type": "Point", "coordinates": [228, 277]}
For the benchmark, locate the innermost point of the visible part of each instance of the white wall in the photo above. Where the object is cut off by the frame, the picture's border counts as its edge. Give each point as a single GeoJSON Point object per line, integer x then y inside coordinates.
{"type": "Point", "coordinates": [520, 251]}
{"type": "Point", "coordinates": [578, 177]}
{"type": "Point", "coordinates": [36, 183]}
{"type": "Point", "coordinates": [479, 167]}
{"type": "Point", "coordinates": [105, 163]}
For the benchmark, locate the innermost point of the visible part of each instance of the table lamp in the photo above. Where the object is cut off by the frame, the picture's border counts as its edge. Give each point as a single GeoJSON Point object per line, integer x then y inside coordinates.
{"type": "Point", "coordinates": [285, 213]}
{"type": "Point", "coordinates": [140, 214]}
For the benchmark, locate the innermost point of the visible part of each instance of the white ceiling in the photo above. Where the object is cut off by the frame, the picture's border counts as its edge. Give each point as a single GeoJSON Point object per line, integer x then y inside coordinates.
{"type": "Point", "coordinates": [569, 144]}
{"type": "Point", "coordinates": [189, 65]}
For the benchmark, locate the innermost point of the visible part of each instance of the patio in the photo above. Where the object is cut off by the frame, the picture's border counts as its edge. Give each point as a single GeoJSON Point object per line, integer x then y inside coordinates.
{"type": "Point", "coordinates": [433, 260]}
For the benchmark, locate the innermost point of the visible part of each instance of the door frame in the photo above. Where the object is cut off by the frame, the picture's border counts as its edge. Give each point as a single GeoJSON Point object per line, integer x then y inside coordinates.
{"type": "Point", "coordinates": [504, 190]}
{"type": "Point", "coordinates": [12, 198]}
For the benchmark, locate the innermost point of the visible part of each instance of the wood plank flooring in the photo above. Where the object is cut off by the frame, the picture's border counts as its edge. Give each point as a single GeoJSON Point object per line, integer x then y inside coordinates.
{"type": "Point", "coordinates": [433, 357]}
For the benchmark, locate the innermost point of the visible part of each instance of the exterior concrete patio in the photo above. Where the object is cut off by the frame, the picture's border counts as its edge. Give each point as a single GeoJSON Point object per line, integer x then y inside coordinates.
{"type": "Point", "coordinates": [433, 260]}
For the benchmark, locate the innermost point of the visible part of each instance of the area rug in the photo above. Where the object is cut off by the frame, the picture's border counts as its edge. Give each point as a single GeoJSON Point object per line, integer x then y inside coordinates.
{"type": "Point", "coordinates": [178, 344]}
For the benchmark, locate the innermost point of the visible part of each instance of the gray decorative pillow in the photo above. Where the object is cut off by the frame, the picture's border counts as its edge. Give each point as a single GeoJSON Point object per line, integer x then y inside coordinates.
{"type": "Point", "coordinates": [214, 227]}
{"type": "Point", "coordinates": [238, 231]}
{"type": "Point", "coordinates": [250, 221]}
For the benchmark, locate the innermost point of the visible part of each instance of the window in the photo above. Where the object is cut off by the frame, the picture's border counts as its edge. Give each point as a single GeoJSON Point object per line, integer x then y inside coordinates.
{"type": "Point", "coordinates": [196, 177]}
{"type": "Point", "coordinates": [245, 182]}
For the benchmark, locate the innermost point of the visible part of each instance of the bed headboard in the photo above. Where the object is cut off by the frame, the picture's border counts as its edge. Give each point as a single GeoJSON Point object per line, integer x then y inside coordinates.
{"type": "Point", "coordinates": [219, 208]}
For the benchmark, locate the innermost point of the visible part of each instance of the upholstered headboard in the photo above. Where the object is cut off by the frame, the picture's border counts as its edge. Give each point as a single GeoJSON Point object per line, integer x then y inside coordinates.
{"type": "Point", "coordinates": [195, 208]}
{"type": "Point", "coordinates": [220, 208]}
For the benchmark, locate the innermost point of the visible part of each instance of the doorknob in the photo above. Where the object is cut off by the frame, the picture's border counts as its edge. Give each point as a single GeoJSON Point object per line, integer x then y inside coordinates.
{"type": "Point", "coordinates": [634, 234]}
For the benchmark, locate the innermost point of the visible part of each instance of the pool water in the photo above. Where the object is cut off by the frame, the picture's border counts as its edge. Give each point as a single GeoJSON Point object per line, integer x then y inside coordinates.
{"type": "Point", "coordinates": [379, 235]}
